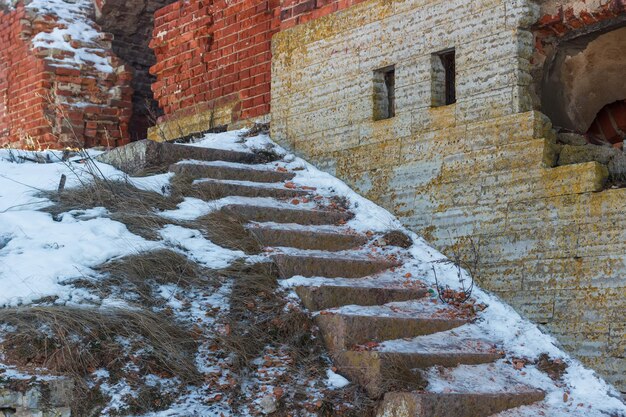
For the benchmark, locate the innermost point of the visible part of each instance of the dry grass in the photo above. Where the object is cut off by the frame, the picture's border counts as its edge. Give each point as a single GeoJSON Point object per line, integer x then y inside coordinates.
{"type": "Point", "coordinates": [134, 207]}
{"type": "Point", "coordinates": [76, 341]}
{"type": "Point", "coordinates": [261, 316]}
{"type": "Point", "coordinates": [227, 230]}
{"type": "Point", "coordinates": [139, 274]}
{"type": "Point", "coordinates": [113, 195]}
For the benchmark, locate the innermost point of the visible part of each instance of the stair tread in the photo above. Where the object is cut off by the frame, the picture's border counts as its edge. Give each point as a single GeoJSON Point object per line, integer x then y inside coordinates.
{"type": "Point", "coordinates": [271, 185]}
{"type": "Point", "coordinates": [409, 310]}
{"type": "Point", "coordinates": [308, 213]}
{"type": "Point", "coordinates": [231, 165]}
{"type": "Point", "coordinates": [292, 227]}
{"type": "Point", "coordinates": [365, 283]}
{"type": "Point", "coordinates": [190, 151]}
{"type": "Point", "coordinates": [452, 341]}
{"type": "Point", "coordinates": [261, 173]}
{"type": "Point", "coordinates": [270, 203]}
{"type": "Point", "coordinates": [348, 255]}
{"type": "Point", "coordinates": [492, 378]}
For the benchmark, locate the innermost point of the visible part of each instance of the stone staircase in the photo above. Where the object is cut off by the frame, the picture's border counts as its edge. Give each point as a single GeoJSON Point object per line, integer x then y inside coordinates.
{"type": "Point", "coordinates": [383, 333]}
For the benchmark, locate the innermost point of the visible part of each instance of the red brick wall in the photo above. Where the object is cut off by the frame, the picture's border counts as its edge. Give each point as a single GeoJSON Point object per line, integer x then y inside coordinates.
{"type": "Point", "coordinates": [47, 103]}
{"type": "Point", "coordinates": [21, 110]}
{"type": "Point", "coordinates": [610, 125]}
{"type": "Point", "coordinates": [213, 52]}
{"type": "Point", "coordinates": [567, 20]}
{"type": "Point", "coordinates": [297, 12]}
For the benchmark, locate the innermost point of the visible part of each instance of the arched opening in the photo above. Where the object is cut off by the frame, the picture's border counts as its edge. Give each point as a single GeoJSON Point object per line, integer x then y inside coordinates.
{"type": "Point", "coordinates": [584, 84]}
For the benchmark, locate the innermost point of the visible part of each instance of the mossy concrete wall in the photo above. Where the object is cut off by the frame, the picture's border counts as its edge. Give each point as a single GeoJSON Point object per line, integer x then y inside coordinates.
{"type": "Point", "coordinates": [550, 241]}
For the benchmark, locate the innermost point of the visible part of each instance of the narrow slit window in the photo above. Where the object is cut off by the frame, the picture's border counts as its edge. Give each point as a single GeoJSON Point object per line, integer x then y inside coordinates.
{"type": "Point", "coordinates": [444, 78]}
{"type": "Point", "coordinates": [385, 93]}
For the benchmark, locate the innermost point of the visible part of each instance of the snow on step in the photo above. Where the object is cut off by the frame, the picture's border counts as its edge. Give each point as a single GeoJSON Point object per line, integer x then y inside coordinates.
{"type": "Point", "coordinates": [463, 391]}
{"type": "Point", "coordinates": [349, 326]}
{"type": "Point", "coordinates": [375, 369]}
{"type": "Point", "coordinates": [491, 378]}
{"type": "Point", "coordinates": [306, 238]}
{"type": "Point", "coordinates": [321, 264]}
{"type": "Point", "coordinates": [224, 170]}
{"type": "Point", "coordinates": [465, 338]}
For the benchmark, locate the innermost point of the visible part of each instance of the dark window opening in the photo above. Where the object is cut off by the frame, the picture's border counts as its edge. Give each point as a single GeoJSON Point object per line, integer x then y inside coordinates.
{"type": "Point", "coordinates": [385, 93]}
{"type": "Point", "coordinates": [444, 78]}
{"type": "Point", "coordinates": [449, 66]}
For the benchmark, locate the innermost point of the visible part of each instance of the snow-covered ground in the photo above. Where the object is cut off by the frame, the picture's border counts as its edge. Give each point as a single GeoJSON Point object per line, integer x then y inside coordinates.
{"type": "Point", "coordinates": [40, 256]}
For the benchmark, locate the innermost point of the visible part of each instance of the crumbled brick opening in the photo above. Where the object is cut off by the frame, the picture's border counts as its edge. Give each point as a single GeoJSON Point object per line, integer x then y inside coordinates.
{"type": "Point", "coordinates": [578, 67]}
{"type": "Point", "coordinates": [60, 87]}
{"type": "Point", "coordinates": [132, 22]}
{"type": "Point", "coordinates": [609, 126]}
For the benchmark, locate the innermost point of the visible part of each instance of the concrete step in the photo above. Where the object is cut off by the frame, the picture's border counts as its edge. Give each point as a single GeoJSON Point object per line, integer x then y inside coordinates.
{"type": "Point", "coordinates": [470, 404]}
{"type": "Point", "coordinates": [463, 391]}
{"type": "Point", "coordinates": [171, 153]}
{"type": "Point", "coordinates": [147, 157]}
{"type": "Point", "coordinates": [229, 171]}
{"type": "Point", "coordinates": [349, 326]}
{"type": "Point", "coordinates": [382, 371]}
{"type": "Point", "coordinates": [323, 297]}
{"type": "Point", "coordinates": [260, 213]}
{"type": "Point", "coordinates": [306, 238]}
{"type": "Point", "coordinates": [209, 189]}
{"type": "Point", "coordinates": [329, 266]}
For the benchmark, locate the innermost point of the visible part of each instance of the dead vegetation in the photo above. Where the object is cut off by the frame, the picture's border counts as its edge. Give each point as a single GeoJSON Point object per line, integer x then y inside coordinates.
{"type": "Point", "coordinates": [257, 129]}
{"type": "Point", "coordinates": [555, 368]}
{"type": "Point", "coordinates": [77, 341]}
{"type": "Point", "coordinates": [227, 230]}
{"type": "Point", "coordinates": [263, 319]}
{"type": "Point", "coordinates": [136, 208]}
{"type": "Point", "coordinates": [137, 277]}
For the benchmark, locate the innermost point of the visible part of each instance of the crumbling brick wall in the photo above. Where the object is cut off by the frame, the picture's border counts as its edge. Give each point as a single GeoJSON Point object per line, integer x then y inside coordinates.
{"type": "Point", "coordinates": [56, 89]}
{"type": "Point", "coordinates": [131, 23]}
{"type": "Point", "coordinates": [214, 59]}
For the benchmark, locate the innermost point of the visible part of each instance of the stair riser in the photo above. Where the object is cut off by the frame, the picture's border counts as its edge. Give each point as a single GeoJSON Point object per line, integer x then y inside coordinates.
{"type": "Point", "coordinates": [282, 215]}
{"type": "Point", "coordinates": [228, 173]}
{"type": "Point", "coordinates": [213, 191]}
{"type": "Point", "coordinates": [321, 298]}
{"type": "Point", "coordinates": [380, 372]}
{"type": "Point", "coordinates": [171, 153]}
{"type": "Point", "coordinates": [342, 332]}
{"type": "Point", "coordinates": [453, 405]}
{"type": "Point", "coordinates": [290, 266]}
{"type": "Point", "coordinates": [307, 239]}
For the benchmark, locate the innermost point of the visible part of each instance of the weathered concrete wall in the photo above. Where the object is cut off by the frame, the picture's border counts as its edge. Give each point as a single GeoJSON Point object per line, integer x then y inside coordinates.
{"type": "Point", "coordinates": [28, 398]}
{"type": "Point", "coordinates": [549, 240]}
